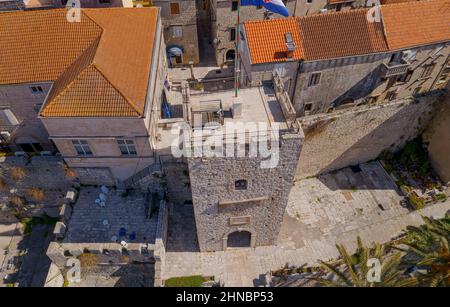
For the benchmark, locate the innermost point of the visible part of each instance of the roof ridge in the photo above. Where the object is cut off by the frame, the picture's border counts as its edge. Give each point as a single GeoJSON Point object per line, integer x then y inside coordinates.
{"type": "Point", "coordinates": [76, 77]}
{"type": "Point", "coordinates": [323, 15]}
{"type": "Point", "coordinates": [118, 91]}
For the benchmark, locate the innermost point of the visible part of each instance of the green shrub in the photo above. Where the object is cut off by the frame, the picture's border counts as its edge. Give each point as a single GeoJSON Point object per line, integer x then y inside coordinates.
{"type": "Point", "coordinates": [440, 197]}
{"type": "Point", "coordinates": [186, 281]}
{"type": "Point", "coordinates": [30, 222]}
{"type": "Point", "coordinates": [416, 202]}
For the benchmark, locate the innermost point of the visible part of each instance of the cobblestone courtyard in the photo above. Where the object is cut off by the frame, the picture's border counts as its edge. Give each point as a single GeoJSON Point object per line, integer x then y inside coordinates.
{"type": "Point", "coordinates": [91, 223]}
{"type": "Point", "coordinates": [323, 211]}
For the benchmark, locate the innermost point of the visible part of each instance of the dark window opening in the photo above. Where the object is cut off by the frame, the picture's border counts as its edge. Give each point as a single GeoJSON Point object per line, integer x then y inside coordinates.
{"type": "Point", "coordinates": [239, 239]}
{"type": "Point", "coordinates": [36, 90]}
{"type": "Point", "coordinates": [314, 79]}
{"type": "Point", "coordinates": [308, 107]}
{"type": "Point", "coordinates": [232, 35]}
{"type": "Point", "coordinates": [31, 147]}
{"type": "Point", "coordinates": [174, 8]}
{"type": "Point", "coordinates": [230, 55]}
{"type": "Point", "coordinates": [234, 5]}
{"type": "Point", "coordinates": [240, 184]}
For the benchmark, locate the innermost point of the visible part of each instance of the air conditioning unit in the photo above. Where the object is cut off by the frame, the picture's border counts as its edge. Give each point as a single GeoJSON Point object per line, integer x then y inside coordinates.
{"type": "Point", "coordinates": [323, 10]}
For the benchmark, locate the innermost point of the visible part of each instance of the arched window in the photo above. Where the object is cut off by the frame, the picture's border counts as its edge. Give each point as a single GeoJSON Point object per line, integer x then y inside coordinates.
{"type": "Point", "coordinates": [230, 55]}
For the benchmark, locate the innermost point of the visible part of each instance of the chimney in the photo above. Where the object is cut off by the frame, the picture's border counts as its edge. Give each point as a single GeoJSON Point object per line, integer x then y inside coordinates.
{"type": "Point", "coordinates": [290, 45]}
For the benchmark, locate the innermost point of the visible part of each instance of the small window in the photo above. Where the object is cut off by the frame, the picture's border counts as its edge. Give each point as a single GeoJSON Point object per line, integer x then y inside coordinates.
{"type": "Point", "coordinates": [309, 1]}
{"type": "Point", "coordinates": [232, 34]}
{"type": "Point", "coordinates": [104, 1]}
{"type": "Point", "coordinates": [36, 90]}
{"type": "Point", "coordinates": [234, 5]}
{"type": "Point", "coordinates": [174, 8]}
{"type": "Point", "coordinates": [314, 79]}
{"type": "Point", "coordinates": [308, 107]}
{"type": "Point", "coordinates": [126, 147]}
{"type": "Point", "coordinates": [427, 70]}
{"type": "Point", "coordinates": [82, 147]}
{"type": "Point", "coordinates": [177, 31]}
{"type": "Point", "coordinates": [240, 184]}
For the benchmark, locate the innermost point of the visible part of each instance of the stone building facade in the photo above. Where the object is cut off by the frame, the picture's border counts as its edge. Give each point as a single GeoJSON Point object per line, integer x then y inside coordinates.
{"type": "Point", "coordinates": [351, 81]}
{"type": "Point", "coordinates": [21, 130]}
{"type": "Point", "coordinates": [122, 145]}
{"type": "Point", "coordinates": [223, 14]}
{"type": "Point", "coordinates": [223, 212]}
{"type": "Point", "coordinates": [179, 19]}
{"type": "Point", "coordinates": [373, 87]}
{"type": "Point", "coordinates": [239, 201]}
{"type": "Point", "coordinates": [104, 144]}
{"type": "Point", "coordinates": [437, 136]}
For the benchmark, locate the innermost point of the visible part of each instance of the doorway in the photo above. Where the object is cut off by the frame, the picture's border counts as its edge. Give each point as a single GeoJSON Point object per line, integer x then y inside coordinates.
{"type": "Point", "coordinates": [31, 147]}
{"type": "Point", "coordinates": [239, 239]}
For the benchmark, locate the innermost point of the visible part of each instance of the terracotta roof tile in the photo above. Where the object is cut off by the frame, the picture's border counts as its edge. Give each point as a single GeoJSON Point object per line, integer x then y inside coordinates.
{"type": "Point", "coordinates": [340, 34]}
{"type": "Point", "coordinates": [78, 99]}
{"type": "Point", "coordinates": [347, 33]}
{"type": "Point", "coordinates": [95, 64]}
{"type": "Point", "coordinates": [415, 24]}
{"type": "Point", "coordinates": [40, 45]}
{"type": "Point", "coordinates": [266, 39]}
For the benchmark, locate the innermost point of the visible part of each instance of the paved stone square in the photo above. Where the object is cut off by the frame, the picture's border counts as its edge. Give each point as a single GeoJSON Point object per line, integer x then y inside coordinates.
{"type": "Point", "coordinates": [126, 275]}
{"type": "Point", "coordinates": [91, 223]}
{"type": "Point", "coordinates": [333, 208]}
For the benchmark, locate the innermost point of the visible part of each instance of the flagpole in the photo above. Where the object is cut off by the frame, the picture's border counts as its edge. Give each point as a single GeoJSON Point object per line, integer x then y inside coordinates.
{"type": "Point", "coordinates": [236, 60]}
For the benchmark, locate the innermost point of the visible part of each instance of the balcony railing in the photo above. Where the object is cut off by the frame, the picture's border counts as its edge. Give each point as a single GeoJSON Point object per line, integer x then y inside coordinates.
{"type": "Point", "coordinates": [394, 69]}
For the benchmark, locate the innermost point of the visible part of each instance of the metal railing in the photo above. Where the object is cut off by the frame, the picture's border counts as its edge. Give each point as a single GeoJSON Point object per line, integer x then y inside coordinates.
{"type": "Point", "coordinates": [394, 68]}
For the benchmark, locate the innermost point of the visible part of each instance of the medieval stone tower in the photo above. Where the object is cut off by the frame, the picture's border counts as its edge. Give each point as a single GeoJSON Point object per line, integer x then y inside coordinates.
{"type": "Point", "coordinates": [237, 203]}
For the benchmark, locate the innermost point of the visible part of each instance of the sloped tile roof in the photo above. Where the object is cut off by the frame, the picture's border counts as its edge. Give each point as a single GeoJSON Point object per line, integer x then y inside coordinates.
{"type": "Point", "coordinates": [267, 41]}
{"type": "Point", "coordinates": [349, 33]}
{"type": "Point", "coordinates": [100, 66]}
{"type": "Point", "coordinates": [416, 23]}
{"type": "Point", "coordinates": [40, 45]}
{"type": "Point", "coordinates": [340, 34]}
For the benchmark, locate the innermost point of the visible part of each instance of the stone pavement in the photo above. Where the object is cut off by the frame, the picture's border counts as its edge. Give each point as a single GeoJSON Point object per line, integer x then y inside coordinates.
{"type": "Point", "coordinates": [26, 253]}
{"type": "Point", "coordinates": [130, 211]}
{"type": "Point", "coordinates": [334, 208]}
{"type": "Point", "coordinates": [125, 275]}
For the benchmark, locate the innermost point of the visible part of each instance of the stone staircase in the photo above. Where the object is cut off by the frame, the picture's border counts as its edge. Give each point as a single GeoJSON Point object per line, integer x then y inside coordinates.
{"type": "Point", "coordinates": [144, 176]}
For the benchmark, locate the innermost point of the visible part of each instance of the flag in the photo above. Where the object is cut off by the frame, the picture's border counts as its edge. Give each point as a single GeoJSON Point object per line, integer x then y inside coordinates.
{"type": "Point", "coordinates": [276, 6]}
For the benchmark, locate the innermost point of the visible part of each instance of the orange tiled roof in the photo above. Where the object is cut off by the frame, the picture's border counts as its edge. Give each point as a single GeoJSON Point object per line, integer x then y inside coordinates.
{"type": "Point", "coordinates": [340, 34]}
{"type": "Point", "coordinates": [416, 23]}
{"type": "Point", "coordinates": [347, 33]}
{"type": "Point", "coordinates": [94, 63]}
{"type": "Point", "coordinates": [40, 45]}
{"type": "Point", "coordinates": [266, 39]}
